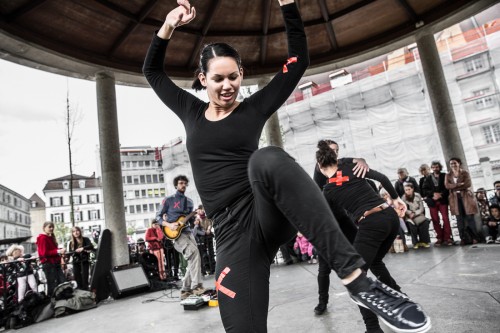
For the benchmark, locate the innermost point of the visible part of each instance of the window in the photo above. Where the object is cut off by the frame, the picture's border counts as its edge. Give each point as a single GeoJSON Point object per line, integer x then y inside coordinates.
{"type": "Point", "coordinates": [143, 193]}
{"type": "Point", "coordinates": [56, 201]}
{"type": "Point", "coordinates": [65, 185]}
{"type": "Point", "coordinates": [491, 133]}
{"type": "Point", "coordinates": [155, 178]}
{"type": "Point", "coordinates": [132, 209]}
{"type": "Point", "coordinates": [78, 216]}
{"type": "Point", "coordinates": [147, 164]}
{"type": "Point", "coordinates": [157, 205]}
{"type": "Point", "coordinates": [143, 179]}
{"type": "Point", "coordinates": [33, 204]}
{"type": "Point", "coordinates": [127, 164]}
{"type": "Point", "coordinates": [138, 208]}
{"type": "Point", "coordinates": [126, 209]}
{"type": "Point", "coordinates": [483, 102]}
{"type": "Point", "coordinates": [134, 164]}
{"type": "Point", "coordinates": [58, 217]}
{"type": "Point", "coordinates": [474, 64]}
{"type": "Point", "coordinates": [137, 194]}
{"type": "Point", "coordinates": [93, 198]}
{"type": "Point", "coordinates": [94, 214]}
{"type": "Point", "coordinates": [148, 179]}
{"type": "Point", "coordinates": [161, 177]}
{"type": "Point", "coordinates": [151, 207]}
{"type": "Point", "coordinates": [129, 179]}
{"type": "Point", "coordinates": [141, 164]}
{"type": "Point", "coordinates": [131, 194]}
{"type": "Point", "coordinates": [81, 183]}
{"type": "Point", "coordinates": [77, 199]}
{"type": "Point", "coordinates": [136, 179]}
{"type": "Point", "coordinates": [157, 192]}
{"type": "Point", "coordinates": [162, 192]}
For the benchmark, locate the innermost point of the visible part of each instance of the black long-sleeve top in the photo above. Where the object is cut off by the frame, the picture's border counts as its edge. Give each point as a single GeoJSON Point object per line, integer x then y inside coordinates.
{"type": "Point", "coordinates": [354, 194]}
{"type": "Point", "coordinates": [219, 151]}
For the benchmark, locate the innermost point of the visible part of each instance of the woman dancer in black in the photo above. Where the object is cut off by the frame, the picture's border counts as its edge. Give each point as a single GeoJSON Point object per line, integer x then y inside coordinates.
{"type": "Point", "coordinates": [257, 198]}
{"type": "Point", "coordinates": [378, 223]}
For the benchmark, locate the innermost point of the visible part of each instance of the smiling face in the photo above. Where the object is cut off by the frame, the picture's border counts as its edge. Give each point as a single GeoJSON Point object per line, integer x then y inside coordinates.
{"type": "Point", "coordinates": [454, 164]}
{"type": "Point", "coordinates": [223, 81]}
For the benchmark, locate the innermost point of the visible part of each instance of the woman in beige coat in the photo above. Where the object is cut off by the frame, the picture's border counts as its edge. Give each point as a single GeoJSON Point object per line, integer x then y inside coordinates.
{"type": "Point", "coordinates": [462, 201]}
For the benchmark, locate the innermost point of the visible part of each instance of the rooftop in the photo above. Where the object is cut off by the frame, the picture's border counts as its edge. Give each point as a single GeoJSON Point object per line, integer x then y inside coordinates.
{"type": "Point", "coordinates": [78, 38]}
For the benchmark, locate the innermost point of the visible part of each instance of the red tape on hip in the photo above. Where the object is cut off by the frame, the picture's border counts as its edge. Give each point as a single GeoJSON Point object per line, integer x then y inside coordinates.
{"type": "Point", "coordinates": [288, 62]}
{"type": "Point", "coordinates": [220, 287]}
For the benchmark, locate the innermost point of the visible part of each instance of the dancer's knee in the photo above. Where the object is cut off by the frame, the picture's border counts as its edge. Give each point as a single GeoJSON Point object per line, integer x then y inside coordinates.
{"type": "Point", "coordinates": [265, 159]}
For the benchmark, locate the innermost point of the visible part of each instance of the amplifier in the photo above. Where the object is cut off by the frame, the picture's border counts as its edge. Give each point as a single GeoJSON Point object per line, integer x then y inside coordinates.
{"type": "Point", "coordinates": [128, 280]}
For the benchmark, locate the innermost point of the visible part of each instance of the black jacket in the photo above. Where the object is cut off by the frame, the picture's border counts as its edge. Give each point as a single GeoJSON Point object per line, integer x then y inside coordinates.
{"type": "Point", "coordinates": [429, 189]}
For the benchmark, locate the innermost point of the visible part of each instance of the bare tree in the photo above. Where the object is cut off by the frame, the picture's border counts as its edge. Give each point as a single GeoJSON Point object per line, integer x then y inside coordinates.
{"type": "Point", "coordinates": [72, 118]}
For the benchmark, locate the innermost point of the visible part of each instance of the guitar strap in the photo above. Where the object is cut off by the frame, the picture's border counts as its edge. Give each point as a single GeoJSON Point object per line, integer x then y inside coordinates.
{"type": "Point", "coordinates": [184, 205]}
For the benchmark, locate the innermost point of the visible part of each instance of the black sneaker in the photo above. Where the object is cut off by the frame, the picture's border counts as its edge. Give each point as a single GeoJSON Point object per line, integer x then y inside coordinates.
{"type": "Point", "coordinates": [395, 309]}
{"type": "Point", "coordinates": [320, 309]}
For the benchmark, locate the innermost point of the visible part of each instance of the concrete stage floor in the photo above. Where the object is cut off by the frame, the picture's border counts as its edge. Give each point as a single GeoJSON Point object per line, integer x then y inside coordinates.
{"type": "Point", "coordinates": [459, 287]}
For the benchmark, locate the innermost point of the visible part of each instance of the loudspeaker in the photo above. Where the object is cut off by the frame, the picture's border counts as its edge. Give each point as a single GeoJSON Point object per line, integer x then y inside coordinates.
{"type": "Point", "coordinates": [128, 280]}
{"type": "Point", "coordinates": [100, 271]}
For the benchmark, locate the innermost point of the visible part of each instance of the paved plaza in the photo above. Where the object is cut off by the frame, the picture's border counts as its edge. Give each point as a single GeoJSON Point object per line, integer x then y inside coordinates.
{"type": "Point", "coordinates": [459, 287]}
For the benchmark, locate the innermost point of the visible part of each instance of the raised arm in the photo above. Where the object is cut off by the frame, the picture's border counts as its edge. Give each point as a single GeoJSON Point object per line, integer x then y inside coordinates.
{"type": "Point", "coordinates": [177, 99]}
{"type": "Point", "coordinates": [284, 82]}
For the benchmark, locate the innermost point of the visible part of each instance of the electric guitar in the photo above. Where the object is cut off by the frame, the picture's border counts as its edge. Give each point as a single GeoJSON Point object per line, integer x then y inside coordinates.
{"type": "Point", "coordinates": [181, 221]}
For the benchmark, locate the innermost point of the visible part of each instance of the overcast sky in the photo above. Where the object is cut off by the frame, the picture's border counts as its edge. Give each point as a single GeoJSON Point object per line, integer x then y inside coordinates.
{"type": "Point", "coordinates": [33, 145]}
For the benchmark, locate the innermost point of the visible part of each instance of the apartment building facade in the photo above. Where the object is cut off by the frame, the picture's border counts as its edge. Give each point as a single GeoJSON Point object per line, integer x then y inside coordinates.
{"type": "Point", "coordinates": [15, 220]}
{"type": "Point", "coordinates": [87, 202]}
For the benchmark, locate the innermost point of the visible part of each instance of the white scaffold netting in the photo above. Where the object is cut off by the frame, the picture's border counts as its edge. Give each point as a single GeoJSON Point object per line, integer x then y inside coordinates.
{"type": "Point", "coordinates": [385, 119]}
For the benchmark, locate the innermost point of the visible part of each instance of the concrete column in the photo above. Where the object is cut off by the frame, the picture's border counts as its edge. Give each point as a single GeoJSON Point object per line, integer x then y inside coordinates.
{"type": "Point", "coordinates": [109, 145]}
{"type": "Point", "coordinates": [272, 128]}
{"type": "Point", "coordinates": [440, 98]}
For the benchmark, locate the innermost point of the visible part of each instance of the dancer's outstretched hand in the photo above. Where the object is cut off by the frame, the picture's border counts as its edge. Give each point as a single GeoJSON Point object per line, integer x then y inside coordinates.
{"type": "Point", "coordinates": [400, 207]}
{"type": "Point", "coordinates": [180, 15]}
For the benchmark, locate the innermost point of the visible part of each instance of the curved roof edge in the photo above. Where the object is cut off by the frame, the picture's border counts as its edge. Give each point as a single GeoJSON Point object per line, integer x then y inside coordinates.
{"type": "Point", "coordinates": [27, 54]}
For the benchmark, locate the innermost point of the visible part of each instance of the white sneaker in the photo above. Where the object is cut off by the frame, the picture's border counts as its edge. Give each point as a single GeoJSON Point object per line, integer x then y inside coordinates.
{"type": "Point", "coordinates": [489, 240]}
{"type": "Point", "coordinates": [498, 240]}
{"type": "Point", "coordinates": [315, 261]}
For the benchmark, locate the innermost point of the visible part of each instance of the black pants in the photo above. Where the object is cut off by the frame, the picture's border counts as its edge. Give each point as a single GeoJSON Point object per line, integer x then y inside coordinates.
{"type": "Point", "coordinates": [419, 233]}
{"type": "Point", "coordinates": [282, 199]}
{"type": "Point", "coordinates": [376, 233]}
{"type": "Point", "coordinates": [349, 230]}
{"type": "Point", "coordinates": [287, 250]}
{"type": "Point", "coordinates": [466, 224]}
{"type": "Point", "coordinates": [172, 260]}
{"type": "Point", "coordinates": [54, 276]}
{"type": "Point", "coordinates": [81, 273]}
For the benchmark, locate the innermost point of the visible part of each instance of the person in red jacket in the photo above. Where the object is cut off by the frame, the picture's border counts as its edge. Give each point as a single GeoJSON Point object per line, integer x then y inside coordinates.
{"type": "Point", "coordinates": [154, 237]}
{"type": "Point", "coordinates": [50, 257]}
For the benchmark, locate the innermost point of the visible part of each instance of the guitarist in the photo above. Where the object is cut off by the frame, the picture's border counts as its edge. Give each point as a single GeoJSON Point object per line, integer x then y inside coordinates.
{"type": "Point", "coordinates": [174, 207]}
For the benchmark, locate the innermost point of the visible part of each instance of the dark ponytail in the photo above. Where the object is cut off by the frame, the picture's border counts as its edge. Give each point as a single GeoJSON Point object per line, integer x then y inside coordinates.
{"type": "Point", "coordinates": [209, 52]}
{"type": "Point", "coordinates": [325, 156]}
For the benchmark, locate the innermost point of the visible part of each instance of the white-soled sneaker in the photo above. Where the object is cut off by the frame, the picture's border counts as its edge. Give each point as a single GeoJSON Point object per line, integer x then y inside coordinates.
{"type": "Point", "coordinates": [395, 309]}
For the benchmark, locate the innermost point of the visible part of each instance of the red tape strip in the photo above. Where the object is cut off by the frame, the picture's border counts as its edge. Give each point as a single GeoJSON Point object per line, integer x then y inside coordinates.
{"type": "Point", "coordinates": [288, 62]}
{"type": "Point", "coordinates": [220, 287]}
